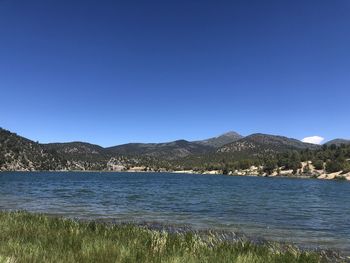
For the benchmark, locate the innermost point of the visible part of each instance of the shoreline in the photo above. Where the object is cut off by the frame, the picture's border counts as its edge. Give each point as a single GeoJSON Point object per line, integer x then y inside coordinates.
{"type": "Point", "coordinates": [325, 176]}
{"type": "Point", "coordinates": [221, 235]}
{"type": "Point", "coordinates": [209, 239]}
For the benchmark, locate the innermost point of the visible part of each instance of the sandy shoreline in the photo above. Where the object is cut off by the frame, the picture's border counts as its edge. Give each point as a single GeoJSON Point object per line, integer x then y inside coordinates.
{"type": "Point", "coordinates": [242, 173]}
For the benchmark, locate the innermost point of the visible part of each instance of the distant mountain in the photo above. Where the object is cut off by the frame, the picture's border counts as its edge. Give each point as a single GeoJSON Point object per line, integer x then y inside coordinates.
{"type": "Point", "coordinates": [76, 150]}
{"type": "Point", "coordinates": [169, 150]}
{"type": "Point", "coordinates": [175, 149]}
{"type": "Point", "coordinates": [221, 140]}
{"type": "Point", "coordinates": [75, 147]}
{"type": "Point", "coordinates": [19, 153]}
{"type": "Point", "coordinates": [260, 143]}
{"type": "Point", "coordinates": [338, 142]}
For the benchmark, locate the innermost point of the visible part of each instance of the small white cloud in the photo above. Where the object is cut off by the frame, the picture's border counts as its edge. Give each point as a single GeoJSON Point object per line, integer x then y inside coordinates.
{"type": "Point", "coordinates": [313, 139]}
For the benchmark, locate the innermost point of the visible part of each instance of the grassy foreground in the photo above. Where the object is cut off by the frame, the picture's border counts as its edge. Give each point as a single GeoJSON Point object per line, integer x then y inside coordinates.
{"type": "Point", "coordinates": [26, 237]}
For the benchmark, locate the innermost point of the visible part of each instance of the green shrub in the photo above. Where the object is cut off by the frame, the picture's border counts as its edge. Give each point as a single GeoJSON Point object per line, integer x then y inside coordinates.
{"type": "Point", "coordinates": [318, 164]}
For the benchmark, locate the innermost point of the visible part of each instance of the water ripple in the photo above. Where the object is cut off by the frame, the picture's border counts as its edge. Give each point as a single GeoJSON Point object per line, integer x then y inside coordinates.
{"type": "Point", "coordinates": [307, 212]}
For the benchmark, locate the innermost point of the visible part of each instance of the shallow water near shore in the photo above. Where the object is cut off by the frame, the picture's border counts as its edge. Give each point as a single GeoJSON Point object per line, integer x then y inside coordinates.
{"type": "Point", "coordinates": [310, 213]}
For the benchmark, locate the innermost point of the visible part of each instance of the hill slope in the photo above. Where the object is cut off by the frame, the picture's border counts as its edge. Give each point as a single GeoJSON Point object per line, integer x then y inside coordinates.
{"type": "Point", "coordinates": [19, 153]}
{"type": "Point", "coordinates": [338, 142]}
{"type": "Point", "coordinates": [76, 150]}
{"type": "Point", "coordinates": [169, 150]}
{"type": "Point", "coordinates": [264, 143]}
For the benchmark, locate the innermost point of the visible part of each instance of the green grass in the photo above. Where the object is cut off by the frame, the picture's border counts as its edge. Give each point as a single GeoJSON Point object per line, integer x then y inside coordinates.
{"type": "Point", "coordinates": [26, 237]}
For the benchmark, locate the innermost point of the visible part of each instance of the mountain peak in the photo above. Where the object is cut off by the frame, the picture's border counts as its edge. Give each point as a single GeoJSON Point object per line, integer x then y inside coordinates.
{"type": "Point", "coordinates": [230, 134]}
{"type": "Point", "coordinates": [221, 140]}
{"type": "Point", "coordinates": [338, 142]}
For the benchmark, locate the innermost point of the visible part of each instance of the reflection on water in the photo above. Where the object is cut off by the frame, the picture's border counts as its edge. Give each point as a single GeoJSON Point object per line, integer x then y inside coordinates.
{"type": "Point", "coordinates": [307, 212]}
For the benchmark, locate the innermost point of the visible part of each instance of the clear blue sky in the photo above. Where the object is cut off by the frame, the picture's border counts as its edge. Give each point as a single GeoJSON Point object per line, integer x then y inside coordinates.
{"type": "Point", "coordinates": [111, 72]}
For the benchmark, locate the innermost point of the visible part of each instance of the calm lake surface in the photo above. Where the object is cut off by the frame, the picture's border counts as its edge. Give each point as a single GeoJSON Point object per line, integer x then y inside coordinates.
{"type": "Point", "coordinates": [311, 213]}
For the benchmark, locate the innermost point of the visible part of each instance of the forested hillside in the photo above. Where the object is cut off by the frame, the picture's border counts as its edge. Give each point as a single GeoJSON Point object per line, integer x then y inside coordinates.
{"type": "Point", "coordinates": [255, 154]}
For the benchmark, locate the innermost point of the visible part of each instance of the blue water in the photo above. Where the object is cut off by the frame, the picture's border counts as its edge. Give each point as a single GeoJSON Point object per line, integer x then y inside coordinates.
{"type": "Point", "coordinates": [311, 213]}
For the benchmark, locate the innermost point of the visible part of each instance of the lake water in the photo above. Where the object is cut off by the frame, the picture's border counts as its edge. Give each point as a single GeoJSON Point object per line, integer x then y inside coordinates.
{"type": "Point", "coordinates": [311, 213]}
